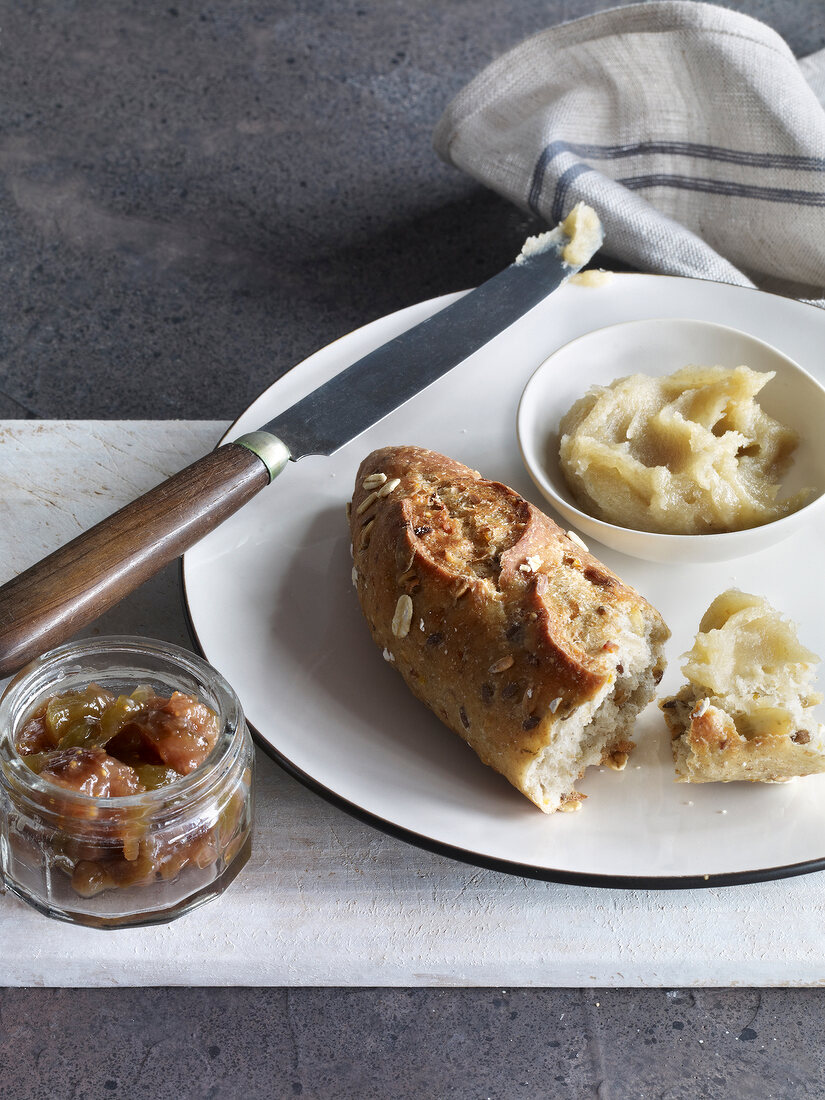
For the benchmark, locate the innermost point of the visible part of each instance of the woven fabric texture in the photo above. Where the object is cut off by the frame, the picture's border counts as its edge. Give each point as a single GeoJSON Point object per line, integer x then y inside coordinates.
{"type": "Point", "coordinates": [691, 129]}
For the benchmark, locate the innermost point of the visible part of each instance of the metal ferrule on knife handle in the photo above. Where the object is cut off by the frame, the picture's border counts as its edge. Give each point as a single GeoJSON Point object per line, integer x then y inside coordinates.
{"type": "Point", "coordinates": [268, 447]}
{"type": "Point", "coordinates": [55, 598]}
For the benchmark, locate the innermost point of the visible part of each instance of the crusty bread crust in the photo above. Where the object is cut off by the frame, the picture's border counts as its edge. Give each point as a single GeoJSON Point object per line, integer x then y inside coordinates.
{"type": "Point", "coordinates": [708, 748]}
{"type": "Point", "coordinates": [497, 620]}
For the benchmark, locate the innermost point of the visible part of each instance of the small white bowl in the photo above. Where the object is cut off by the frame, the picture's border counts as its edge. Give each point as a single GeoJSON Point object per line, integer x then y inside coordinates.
{"type": "Point", "coordinates": [659, 347]}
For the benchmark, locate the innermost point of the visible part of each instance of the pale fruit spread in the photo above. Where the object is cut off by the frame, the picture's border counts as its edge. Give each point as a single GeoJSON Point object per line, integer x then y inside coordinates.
{"type": "Point", "coordinates": [593, 277]}
{"type": "Point", "coordinates": [576, 238]}
{"type": "Point", "coordinates": [584, 229]}
{"type": "Point", "coordinates": [690, 453]}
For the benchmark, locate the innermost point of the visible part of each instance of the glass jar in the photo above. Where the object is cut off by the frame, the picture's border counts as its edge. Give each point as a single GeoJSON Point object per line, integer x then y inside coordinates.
{"type": "Point", "coordinates": [136, 859]}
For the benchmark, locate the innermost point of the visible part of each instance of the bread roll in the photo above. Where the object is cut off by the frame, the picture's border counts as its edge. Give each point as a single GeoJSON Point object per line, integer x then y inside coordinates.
{"type": "Point", "coordinates": [517, 638]}
{"type": "Point", "coordinates": [745, 712]}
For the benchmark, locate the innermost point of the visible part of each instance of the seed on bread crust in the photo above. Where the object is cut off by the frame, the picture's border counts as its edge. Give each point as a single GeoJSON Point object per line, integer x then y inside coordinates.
{"type": "Point", "coordinates": [402, 618]}
{"type": "Point", "coordinates": [572, 806]}
{"type": "Point", "coordinates": [597, 577]}
{"type": "Point", "coordinates": [617, 761]}
{"type": "Point", "coordinates": [385, 490]}
{"type": "Point", "coordinates": [502, 664]}
{"type": "Point", "coordinates": [373, 481]}
{"type": "Point", "coordinates": [365, 503]}
{"type": "Point", "coordinates": [364, 541]}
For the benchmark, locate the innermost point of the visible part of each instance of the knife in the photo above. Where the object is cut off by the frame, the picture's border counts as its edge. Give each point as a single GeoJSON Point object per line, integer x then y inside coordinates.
{"type": "Point", "coordinates": [53, 599]}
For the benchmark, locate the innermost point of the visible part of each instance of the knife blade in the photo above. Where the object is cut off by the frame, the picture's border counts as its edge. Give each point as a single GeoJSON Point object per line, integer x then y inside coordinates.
{"type": "Point", "coordinates": [54, 598]}
{"type": "Point", "coordinates": [363, 394]}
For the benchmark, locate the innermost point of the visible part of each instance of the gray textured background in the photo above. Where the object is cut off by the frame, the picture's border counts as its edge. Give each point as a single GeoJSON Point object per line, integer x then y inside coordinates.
{"type": "Point", "coordinates": [193, 198]}
{"type": "Point", "coordinates": [236, 1044]}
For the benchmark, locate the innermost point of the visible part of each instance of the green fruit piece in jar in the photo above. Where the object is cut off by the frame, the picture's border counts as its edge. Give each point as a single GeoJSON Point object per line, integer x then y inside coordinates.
{"type": "Point", "coordinates": [65, 710]}
{"type": "Point", "coordinates": [153, 776]}
{"type": "Point", "coordinates": [37, 761]}
{"type": "Point", "coordinates": [118, 715]}
{"type": "Point", "coordinates": [84, 734]}
{"type": "Point", "coordinates": [143, 694]}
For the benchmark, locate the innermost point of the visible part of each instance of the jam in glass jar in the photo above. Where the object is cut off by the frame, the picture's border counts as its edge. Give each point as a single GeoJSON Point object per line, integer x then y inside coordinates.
{"type": "Point", "coordinates": [125, 783]}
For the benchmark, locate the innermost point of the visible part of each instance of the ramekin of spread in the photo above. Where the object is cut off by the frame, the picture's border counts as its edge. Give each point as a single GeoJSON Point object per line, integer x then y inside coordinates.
{"type": "Point", "coordinates": [125, 783]}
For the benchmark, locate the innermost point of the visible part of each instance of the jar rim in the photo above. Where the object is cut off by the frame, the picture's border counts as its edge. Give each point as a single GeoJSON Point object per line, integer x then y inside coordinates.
{"type": "Point", "coordinates": [181, 791]}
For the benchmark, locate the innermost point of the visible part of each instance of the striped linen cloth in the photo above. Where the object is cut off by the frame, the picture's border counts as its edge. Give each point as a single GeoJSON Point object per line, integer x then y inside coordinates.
{"type": "Point", "coordinates": [691, 129]}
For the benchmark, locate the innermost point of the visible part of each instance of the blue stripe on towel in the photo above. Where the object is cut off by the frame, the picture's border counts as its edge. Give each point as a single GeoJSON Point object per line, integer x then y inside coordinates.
{"type": "Point", "coordinates": [563, 186]}
{"type": "Point", "coordinates": [548, 153]}
{"type": "Point", "coordinates": [692, 149]}
{"type": "Point", "coordinates": [677, 148]}
{"type": "Point", "coordinates": [725, 187]}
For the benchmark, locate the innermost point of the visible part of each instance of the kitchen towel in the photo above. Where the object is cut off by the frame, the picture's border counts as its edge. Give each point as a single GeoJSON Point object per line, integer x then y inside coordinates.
{"type": "Point", "coordinates": [691, 129]}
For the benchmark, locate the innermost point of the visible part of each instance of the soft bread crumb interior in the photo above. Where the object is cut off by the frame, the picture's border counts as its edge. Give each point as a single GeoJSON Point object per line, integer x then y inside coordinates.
{"type": "Point", "coordinates": [579, 740]}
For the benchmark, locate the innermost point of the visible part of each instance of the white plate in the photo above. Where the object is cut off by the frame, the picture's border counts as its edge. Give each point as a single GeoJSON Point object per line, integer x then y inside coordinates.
{"type": "Point", "coordinates": [272, 607]}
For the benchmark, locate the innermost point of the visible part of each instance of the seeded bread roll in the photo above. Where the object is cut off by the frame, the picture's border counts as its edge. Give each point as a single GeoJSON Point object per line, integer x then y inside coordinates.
{"type": "Point", "coordinates": [746, 710]}
{"type": "Point", "coordinates": [517, 638]}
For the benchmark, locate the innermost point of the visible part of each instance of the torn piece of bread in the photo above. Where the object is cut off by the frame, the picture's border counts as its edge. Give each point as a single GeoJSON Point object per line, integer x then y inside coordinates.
{"type": "Point", "coordinates": [745, 712]}
{"type": "Point", "coordinates": [520, 640]}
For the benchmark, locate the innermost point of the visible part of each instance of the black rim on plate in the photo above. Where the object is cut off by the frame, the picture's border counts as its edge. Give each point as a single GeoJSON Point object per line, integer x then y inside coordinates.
{"type": "Point", "coordinates": [477, 859]}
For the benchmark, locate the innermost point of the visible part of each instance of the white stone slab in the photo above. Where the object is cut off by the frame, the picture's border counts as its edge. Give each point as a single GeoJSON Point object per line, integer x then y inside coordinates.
{"type": "Point", "coordinates": [326, 900]}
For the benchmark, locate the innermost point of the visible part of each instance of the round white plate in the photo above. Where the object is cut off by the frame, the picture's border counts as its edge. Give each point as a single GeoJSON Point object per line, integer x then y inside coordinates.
{"type": "Point", "coordinates": [272, 606]}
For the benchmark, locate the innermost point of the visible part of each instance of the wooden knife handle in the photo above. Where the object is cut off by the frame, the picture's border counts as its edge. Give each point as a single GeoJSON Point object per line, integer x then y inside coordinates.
{"type": "Point", "coordinates": [62, 593]}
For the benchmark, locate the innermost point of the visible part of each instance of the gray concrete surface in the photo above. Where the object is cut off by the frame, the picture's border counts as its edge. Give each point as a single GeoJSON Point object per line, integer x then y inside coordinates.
{"type": "Point", "coordinates": [224, 1044]}
{"type": "Point", "coordinates": [193, 197]}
